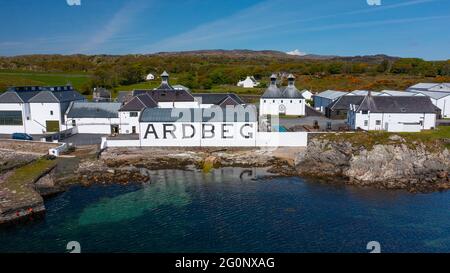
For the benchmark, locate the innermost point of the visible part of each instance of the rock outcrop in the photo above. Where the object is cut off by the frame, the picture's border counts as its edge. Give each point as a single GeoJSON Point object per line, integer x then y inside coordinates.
{"type": "Point", "coordinates": [392, 165]}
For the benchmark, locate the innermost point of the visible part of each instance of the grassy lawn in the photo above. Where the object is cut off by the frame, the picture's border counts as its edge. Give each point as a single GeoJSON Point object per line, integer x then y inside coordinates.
{"type": "Point", "coordinates": [432, 138]}
{"type": "Point", "coordinates": [22, 177]}
{"type": "Point", "coordinates": [9, 78]}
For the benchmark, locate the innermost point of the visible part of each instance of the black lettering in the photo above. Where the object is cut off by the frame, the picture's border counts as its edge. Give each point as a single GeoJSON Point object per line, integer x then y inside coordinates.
{"type": "Point", "coordinates": [184, 130]}
{"type": "Point", "coordinates": [224, 130]}
{"type": "Point", "coordinates": [209, 131]}
{"type": "Point", "coordinates": [250, 134]}
{"type": "Point", "coordinates": [152, 131]}
{"type": "Point", "coordinates": [170, 131]}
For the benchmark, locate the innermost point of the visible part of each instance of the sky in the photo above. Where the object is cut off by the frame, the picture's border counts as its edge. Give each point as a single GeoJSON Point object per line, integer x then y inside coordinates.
{"type": "Point", "coordinates": [404, 28]}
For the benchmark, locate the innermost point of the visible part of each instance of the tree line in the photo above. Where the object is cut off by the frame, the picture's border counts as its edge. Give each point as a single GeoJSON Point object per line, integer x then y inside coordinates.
{"type": "Point", "coordinates": [204, 72]}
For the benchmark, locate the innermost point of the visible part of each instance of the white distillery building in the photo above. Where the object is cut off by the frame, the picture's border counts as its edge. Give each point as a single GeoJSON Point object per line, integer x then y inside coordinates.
{"type": "Point", "coordinates": [150, 77]}
{"type": "Point", "coordinates": [166, 96]}
{"type": "Point", "coordinates": [438, 93]}
{"type": "Point", "coordinates": [282, 101]}
{"type": "Point", "coordinates": [93, 117]}
{"type": "Point", "coordinates": [35, 109]}
{"type": "Point", "coordinates": [393, 114]}
{"type": "Point", "coordinates": [325, 98]}
{"type": "Point", "coordinates": [197, 127]}
{"type": "Point", "coordinates": [249, 82]}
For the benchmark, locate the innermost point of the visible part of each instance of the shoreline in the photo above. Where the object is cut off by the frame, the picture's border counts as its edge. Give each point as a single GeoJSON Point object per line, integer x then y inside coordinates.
{"type": "Point", "coordinates": [124, 166]}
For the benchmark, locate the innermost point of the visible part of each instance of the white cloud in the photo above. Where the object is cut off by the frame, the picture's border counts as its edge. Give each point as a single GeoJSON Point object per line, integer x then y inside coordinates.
{"type": "Point", "coordinates": [296, 52]}
{"type": "Point", "coordinates": [73, 2]}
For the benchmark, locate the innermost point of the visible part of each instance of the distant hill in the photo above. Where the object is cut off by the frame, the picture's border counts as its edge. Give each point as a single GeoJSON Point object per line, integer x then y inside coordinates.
{"type": "Point", "coordinates": [245, 53]}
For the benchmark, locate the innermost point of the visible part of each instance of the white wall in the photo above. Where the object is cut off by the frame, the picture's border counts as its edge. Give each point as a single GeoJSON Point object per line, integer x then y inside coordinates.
{"type": "Point", "coordinates": [127, 122]}
{"type": "Point", "coordinates": [444, 105]}
{"type": "Point", "coordinates": [258, 139]}
{"type": "Point", "coordinates": [180, 104]}
{"type": "Point", "coordinates": [9, 129]}
{"type": "Point", "coordinates": [293, 107]}
{"type": "Point", "coordinates": [92, 125]}
{"type": "Point", "coordinates": [392, 122]}
{"type": "Point", "coordinates": [39, 114]}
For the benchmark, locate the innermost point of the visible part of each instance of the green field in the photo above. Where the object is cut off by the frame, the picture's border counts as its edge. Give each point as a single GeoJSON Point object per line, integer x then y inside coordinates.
{"type": "Point", "coordinates": [11, 78]}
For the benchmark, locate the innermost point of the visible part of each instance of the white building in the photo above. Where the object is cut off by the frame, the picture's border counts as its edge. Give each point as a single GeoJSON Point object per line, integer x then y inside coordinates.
{"type": "Point", "coordinates": [35, 109]}
{"type": "Point", "coordinates": [150, 77]}
{"type": "Point", "coordinates": [197, 127]}
{"type": "Point", "coordinates": [438, 93]}
{"type": "Point", "coordinates": [307, 94]}
{"type": "Point", "coordinates": [249, 82]}
{"type": "Point", "coordinates": [166, 96]}
{"type": "Point", "coordinates": [93, 117]}
{"type": "Point", "coordinates": [325, 98]}
{"type": "Point", "coordinates": [393, 114]}
{"type": "Point", "coordinates": [282, 101]}
{"type": "Point", "coordinates": [437, 87]}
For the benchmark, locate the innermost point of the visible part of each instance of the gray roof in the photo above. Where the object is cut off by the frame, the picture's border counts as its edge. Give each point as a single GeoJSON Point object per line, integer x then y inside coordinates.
{"type": "Point", "coordinates": [291, 92]}
{"type": "Point", "coordinates": [139, 102]}
{"type": "Point", "coordinates": [344, 102]}
{"type": "Point", "coordinates": [398, 93]}
{"type": "Point", "coordinates": [433, 94]}
{"type": "Point", "coordinates": [272, 92]}
{"type": "Point", "coordinates": [331, 94]}
{"type": "Point", "coordinates": [196, 115]}
{"type": "Point", "coordinates": [217, 98]}
{"type": "Point", "coordinates": [25, 94]}
{"type": "Point", "coordinates": [57, 96]}
{"type": "Point", "coordinates": [386, 104]}
{"type": "Point", "coordinates": [94, 110]}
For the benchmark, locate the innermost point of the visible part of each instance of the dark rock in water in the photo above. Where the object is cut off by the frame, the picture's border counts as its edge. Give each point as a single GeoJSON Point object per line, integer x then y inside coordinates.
{"type": "Point", "coordinates": [389, 166]}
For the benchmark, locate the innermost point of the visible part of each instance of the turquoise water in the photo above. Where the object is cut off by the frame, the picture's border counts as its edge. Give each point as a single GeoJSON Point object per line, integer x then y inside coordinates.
{"type": "Point", "coordinates": [234, 211]}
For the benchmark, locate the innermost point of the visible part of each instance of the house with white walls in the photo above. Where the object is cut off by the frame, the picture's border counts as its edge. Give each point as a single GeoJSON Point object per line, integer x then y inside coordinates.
{"type": "Point", "coordinates": [93, 117]}
{"type": "Point", "coordinates": [325, 98]}
{"type": "Point", "coordinates": [150, 77]}
{"type": "Point", "coordinates": [438, 93]}
{"type": "Point", "coordinates": [282, 100]}
{"type": "Point", "coordinates": [393, 114]}
{"type": "Point", "coordinates": [249, 82]}
{"type": "Point", "coordinates": [35, 109]}
{"type": "Point", "coordinates": [167, 96]}
{"type": "Point", "coordinates": [130, 112]}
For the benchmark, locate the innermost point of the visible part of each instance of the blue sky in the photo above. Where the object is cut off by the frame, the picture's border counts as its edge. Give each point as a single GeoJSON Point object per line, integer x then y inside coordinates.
{"type": "Point", "coordinates": [406, 28]}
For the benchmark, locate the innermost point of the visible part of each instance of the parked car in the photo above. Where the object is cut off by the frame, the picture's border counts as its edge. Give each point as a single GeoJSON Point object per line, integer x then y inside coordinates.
{"type": "Point", "coordinates": [21, 136]}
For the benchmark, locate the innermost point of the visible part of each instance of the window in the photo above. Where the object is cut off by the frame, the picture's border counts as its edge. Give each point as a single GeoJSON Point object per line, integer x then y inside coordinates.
{"type": "Point", "coordinates": [365, 112]}
{"type": "Point", "coordinates": [74, 123]}
{"type": "Point", "coordinates": [133, 114]}
{"type": "Point", "coordinates": [273, 101]}
{"type": "Point", "coordinates": [264, 101]}
{"type": "Point", "coordinates": [291, 101]}
{"type": "Point", "coordinates": [133, 129]}
{"type": "Point", "coordinates": [366, 123]}
{"type": "Point", "coordinates": [378, 122]}
{"type": "Point", "coordinates": [51, 113]}
{"type": "Point", "coordinates": [11, 118]}
{"type": "Point", "coordinates": [281, 101]}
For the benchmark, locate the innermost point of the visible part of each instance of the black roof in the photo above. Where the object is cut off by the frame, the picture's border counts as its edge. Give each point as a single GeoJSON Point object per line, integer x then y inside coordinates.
{"type": "Point", "coordinates": [392, 104]}
{"type": "Point", "coordinates": [139, 102]}
{"type": "Point", "coordinates": [170, 95]}
{"type": "Point", "coordinates": [344, 102]}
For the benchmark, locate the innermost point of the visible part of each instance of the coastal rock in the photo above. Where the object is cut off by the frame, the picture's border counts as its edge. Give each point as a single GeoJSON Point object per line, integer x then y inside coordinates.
{"type": "Point", "coordinates": [393, 165]}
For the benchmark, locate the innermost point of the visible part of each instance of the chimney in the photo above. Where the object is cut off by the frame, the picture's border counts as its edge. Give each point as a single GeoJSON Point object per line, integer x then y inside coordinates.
{"type": "Point", "coordinates": [165, 77]}
{"type": "Point", "coordinates": [291, 80]}
{"type": "Point", "coordinates": [273, 79]}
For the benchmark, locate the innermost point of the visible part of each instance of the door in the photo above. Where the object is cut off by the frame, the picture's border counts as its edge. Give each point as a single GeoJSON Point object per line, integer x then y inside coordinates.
{"type": "Point", "coordinates": [114, 129]}
{"type": "Point", "coordinates": [52, 125]}
{"type": "Point", "coordinates": [133, 129]}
